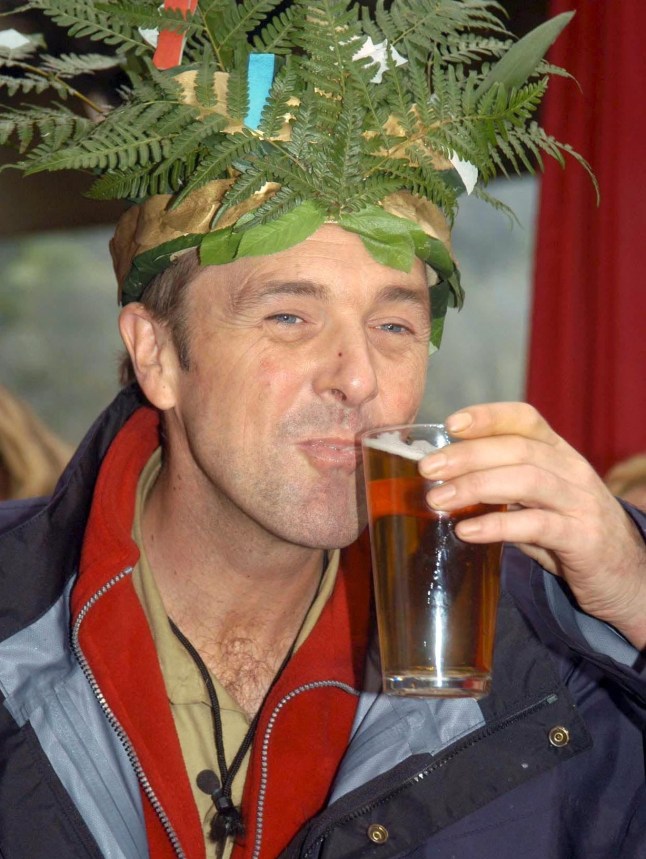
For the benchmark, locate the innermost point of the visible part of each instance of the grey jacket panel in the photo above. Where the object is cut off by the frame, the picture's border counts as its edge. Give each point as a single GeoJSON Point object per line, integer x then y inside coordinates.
{"type": "Point", "coordinates": [388, 729]}
{"type": "Point", "coordinates": [44, 686]}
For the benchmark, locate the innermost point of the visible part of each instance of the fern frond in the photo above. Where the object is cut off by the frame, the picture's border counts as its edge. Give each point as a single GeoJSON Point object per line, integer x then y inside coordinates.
{"type": "Point", "coordinates": [28, 83]}
{"type": "Point", "coordinates": [118, 147]}
{"type": "Point", "coordinates": [82, 20]}
{"type": "Point", "coordinates": [421, 90]}
{"type": "Point", "coordinates": [71, 65]}
{"type": "Point", "coordinates": [276, 37]}
{"type": "Point", "coordinates": [192, 139]}
{"type": "Point", "coordinates": [496, 204]}
{"type": "Point", "coordinates": [429, 184]}
{"type": "Point", "coordinates": [371, 192]}
{"type": "Point", "coordinates": [280, 204]}
{"type": "Point", "coordinates": [204, 82]}
{"type": "Point", "coordinates": [305, 133]}
{"type": "Point", "coordinates": [57, 124]}
{"type": "Point", "coordinates": [238, 89]}
{"type": "Point", "coordinates": [342, 155]}
{"type": "Point", "coordinates": [119, 185]}
{"type": "Point", "coordinates": [143, 181]}
{"type": "Point", "coordinates": [544, 68]}
{"type": "Point", "coordinates": [286, 86]}
{"type": "Point", "coordinates": [332, 37]}
{"type": "Point", "coordinates": [165, 80]}
{"type": "Point", "coordinates": [231, 148]}
{"type": "Point", "coordinates": [471, 46]}
{"type": "Point", "coordinates": [402, 102]}
{"type": "Point", "coordinates": [433, 24]}
{"type": "Point", "coordinates": [279, 166]}
{"type": "Point", "coordinates": [247, 184]}
{"type": "Point", "coordinates": [229, 23]}
{"type": "Point", "coordinates": [136, 15]}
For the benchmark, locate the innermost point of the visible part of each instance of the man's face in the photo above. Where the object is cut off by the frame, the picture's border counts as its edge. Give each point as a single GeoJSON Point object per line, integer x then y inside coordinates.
{"type": "Point", "coordinates": [292, 356]}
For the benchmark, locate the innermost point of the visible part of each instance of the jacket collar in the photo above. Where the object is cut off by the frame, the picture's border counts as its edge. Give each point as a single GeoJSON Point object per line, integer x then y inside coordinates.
{"type": "Point", "coordinates": [43, 549]}
{"type": "Point", "coordinates": [312, 704]}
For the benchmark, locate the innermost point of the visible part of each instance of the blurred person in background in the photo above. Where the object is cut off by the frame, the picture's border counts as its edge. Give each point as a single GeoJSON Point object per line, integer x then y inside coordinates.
{"type": "Point", "coordinates": [627, 480]}
{"type": "Point", "coordinates": [32, 457]}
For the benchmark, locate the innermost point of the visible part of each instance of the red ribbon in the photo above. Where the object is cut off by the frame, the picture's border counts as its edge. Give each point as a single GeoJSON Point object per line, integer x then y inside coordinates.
{"type": "Point", "coordinates": [170, 46]}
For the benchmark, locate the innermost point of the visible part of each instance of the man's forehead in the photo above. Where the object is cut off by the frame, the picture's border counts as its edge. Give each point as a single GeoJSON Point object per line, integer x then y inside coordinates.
{"type": "Point", "coordinates": [258, 290]}
{"type": "Point", "coordinates": [330, 265]}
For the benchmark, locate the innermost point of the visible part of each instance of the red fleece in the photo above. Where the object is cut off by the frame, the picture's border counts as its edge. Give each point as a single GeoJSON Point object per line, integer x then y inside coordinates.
{"type": "Point", "coordinates": [309, 733]}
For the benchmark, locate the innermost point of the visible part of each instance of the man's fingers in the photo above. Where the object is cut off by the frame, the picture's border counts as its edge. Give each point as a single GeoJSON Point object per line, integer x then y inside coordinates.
{"type": "Point", "coordinates": [494, 419]}
{"type": "Point", "coordinates": [525, 484]}
{"type": "Point", "coordinates": [493, 452]}
{"type": "Point", "coordinates": [542, 529]}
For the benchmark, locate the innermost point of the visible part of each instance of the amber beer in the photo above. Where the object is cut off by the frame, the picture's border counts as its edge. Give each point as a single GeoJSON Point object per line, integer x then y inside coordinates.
{"type": "Point", "coordinates": [436, 596]}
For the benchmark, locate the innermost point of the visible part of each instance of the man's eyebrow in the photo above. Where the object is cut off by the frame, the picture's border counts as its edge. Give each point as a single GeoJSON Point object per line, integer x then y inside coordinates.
{"type": "Point", "coordinates": [403, 293]}
{"type": "Point", "coordinates": [254, 295]}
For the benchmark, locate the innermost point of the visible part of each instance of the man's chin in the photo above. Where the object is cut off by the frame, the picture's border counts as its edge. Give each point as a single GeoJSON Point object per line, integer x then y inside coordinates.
{"type": "Point", "coordinates": [336, 535]}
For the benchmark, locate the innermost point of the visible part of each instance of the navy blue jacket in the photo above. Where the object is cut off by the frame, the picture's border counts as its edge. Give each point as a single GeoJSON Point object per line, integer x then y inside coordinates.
{"type": "Point", "coordinates": [550, 765]}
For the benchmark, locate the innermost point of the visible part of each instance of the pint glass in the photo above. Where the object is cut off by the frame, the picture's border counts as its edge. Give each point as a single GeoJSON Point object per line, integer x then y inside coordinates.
{"type": "Point", "coordinates": [436, 596]}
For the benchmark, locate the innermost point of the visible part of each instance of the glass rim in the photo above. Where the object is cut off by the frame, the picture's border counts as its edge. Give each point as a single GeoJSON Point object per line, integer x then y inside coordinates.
{"type": "Point", "coordinates": [376, 431]}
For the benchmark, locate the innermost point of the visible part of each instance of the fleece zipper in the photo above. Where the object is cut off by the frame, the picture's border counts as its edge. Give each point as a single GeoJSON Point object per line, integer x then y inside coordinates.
{"type": "Point", "coordinates": [264, 756]}
{"type": "Point", "coordinates": [112, 719]}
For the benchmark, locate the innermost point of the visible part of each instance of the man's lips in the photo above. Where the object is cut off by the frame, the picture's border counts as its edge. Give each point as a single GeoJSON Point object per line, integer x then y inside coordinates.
{"type": "Point", "coordinates": [341, 453]}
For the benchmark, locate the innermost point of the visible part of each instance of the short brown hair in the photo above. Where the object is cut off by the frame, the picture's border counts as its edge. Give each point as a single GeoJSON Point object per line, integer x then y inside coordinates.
{"type": "Point", "coordinates": [164, 298]}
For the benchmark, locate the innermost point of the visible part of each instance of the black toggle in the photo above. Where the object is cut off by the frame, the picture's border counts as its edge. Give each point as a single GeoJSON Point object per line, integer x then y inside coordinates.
{"type": "Point", "coordinates": [208, 782]}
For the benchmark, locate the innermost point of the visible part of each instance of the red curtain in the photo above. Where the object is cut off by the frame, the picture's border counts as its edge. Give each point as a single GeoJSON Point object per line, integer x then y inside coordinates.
{"type": "Point", "coordinates": [587, 361]}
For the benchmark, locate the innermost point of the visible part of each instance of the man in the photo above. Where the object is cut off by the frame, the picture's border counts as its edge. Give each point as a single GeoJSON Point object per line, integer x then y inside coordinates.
{"type": "Point", "coordinates": [217, 695]}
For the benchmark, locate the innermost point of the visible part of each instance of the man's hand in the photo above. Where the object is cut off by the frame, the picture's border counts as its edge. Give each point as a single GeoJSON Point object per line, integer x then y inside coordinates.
{"type": "Point", "coordinates": [559, 510]}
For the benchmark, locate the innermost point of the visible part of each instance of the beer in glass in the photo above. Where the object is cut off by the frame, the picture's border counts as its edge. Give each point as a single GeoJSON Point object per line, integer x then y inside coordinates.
{"type": "Point", "coordinates": [436, 595]}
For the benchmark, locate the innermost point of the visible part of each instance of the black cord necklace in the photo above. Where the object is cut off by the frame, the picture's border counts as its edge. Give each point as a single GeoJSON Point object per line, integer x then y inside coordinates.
{"type": "Point", "coordinates": [227, 822]}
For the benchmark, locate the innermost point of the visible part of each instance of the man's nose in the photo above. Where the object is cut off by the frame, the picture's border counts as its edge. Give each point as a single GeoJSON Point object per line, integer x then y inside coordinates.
{"type": "Point", "coordinates": [346, 372]}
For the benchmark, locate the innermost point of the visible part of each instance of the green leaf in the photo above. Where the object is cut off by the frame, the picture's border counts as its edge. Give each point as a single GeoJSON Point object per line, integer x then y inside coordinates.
{"type": "Point", "coordinates": [446, 293]}
{"type": "Point", "coordinates": [398, 253]}
{"type": "Point", "coordinates": [523, 58]}
{"type": "Point", "coordinates": [391, 240]}
{"type": "Point", "coordinates": [433, 252]}
{"type": "Point", "coordinates": [439, 295]}
{"type": "Point", "coordinates": [282, 233]}
{"type": "Point", "coordinates": [152, 262]}
{"type": "Point", "coordinates": [376, 223]}
{"type": "Point", "coordinates": [219, 247]}
{"type": "Point", "coordinates": [386, 237]}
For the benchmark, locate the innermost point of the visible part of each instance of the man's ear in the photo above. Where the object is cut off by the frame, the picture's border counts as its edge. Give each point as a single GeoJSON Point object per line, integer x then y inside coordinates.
{"type": "Point", "coordinates": [152, 352]}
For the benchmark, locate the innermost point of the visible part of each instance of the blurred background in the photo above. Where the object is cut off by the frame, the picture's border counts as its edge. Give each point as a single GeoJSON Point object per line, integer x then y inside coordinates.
{"type": "Point", "coordinates": [555, 306]}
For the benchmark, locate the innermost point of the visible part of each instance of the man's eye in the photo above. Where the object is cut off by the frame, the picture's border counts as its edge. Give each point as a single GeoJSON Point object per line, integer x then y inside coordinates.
{"type": "Point", "coordinates": [395, 328]}
{"type": "Point", "coordinates": [286, 318]}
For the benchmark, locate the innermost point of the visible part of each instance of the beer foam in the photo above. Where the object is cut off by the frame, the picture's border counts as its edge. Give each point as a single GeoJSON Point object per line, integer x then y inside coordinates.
{"type": "Point", "coordinates": [390, 442]}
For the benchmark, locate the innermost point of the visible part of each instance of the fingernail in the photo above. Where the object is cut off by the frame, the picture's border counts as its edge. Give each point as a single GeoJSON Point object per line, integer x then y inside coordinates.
{"type": "Point", "coordinates": [469, 527]}
{"type": "Point", "coordinates": [458, 422]}
{"type": "Point", "coordinates": [441, 494]}
{"type": "Point", "coordinates": [433, 464]}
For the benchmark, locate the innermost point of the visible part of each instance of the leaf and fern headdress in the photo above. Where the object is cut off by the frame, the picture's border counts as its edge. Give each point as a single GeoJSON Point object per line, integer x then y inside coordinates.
{"type": "Point", "coordinates": [247, 124]}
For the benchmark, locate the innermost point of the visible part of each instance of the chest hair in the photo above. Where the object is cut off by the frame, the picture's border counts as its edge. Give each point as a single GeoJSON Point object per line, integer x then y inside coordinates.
{"type": "Point", "coordinates": [244, 672]}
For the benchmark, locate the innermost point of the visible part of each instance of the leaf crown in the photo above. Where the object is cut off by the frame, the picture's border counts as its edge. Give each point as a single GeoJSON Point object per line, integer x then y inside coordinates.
{"type": "Point", "coordinates": [337, 107]}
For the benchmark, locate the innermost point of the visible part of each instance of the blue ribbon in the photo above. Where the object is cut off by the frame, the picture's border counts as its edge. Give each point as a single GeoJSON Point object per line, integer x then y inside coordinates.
{"type": "Point", "coordinates": [260, 71]}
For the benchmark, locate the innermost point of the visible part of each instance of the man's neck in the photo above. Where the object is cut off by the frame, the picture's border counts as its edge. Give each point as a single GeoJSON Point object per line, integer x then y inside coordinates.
{"type": "Point", "coordinates": [238, 593]}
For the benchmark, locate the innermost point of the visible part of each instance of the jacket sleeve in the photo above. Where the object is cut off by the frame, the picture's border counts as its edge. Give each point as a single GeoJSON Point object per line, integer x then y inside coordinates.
{"type": "Point", "coordinates": [555, 614]}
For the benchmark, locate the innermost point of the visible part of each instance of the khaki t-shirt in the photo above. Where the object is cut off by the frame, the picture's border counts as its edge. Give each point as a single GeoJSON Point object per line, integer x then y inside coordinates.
{"type": "Point", "coordinates": [187, 694]}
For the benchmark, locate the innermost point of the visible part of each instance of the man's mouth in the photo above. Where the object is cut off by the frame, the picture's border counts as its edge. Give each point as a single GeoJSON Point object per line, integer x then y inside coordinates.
{"type": "Point", "coordinates": [332, 453]}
